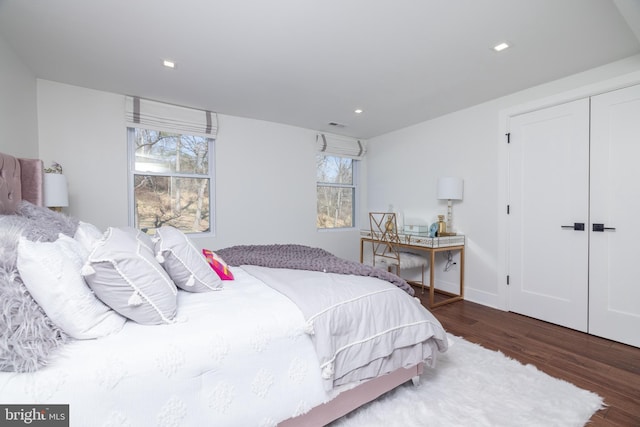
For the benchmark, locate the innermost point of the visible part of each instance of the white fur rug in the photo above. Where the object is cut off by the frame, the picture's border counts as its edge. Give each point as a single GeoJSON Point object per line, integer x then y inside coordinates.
{"type": "Point", "coordinates": [472, 386]}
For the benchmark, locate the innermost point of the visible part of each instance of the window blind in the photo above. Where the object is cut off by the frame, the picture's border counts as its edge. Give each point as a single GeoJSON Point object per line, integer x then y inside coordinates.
{"type": "Point", "coordinates": [342, 146]}
{"type": "Point", "coordinates": [148, 114]}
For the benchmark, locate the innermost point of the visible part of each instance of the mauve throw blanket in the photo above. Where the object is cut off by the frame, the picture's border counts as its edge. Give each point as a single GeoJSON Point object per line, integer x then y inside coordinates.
{"type": "Point", "coordinates": [299, 257]}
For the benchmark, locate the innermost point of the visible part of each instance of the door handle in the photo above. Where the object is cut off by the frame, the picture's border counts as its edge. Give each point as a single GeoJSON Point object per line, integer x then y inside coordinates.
{"type": "Point", "coordinates": [601, 227]}
{"type": "Point", "coordinates": [577, 226]}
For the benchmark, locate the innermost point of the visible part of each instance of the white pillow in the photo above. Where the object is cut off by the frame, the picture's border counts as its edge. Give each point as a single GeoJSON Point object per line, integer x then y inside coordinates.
{"type": "Point", "coordinates": [51, 273]}
{"type": "Point", "coordinates": [126, 277]}
{"type": "Point", "coordinates": [185, 264]}
{"type": "Point", "coordinates": [88, 235]}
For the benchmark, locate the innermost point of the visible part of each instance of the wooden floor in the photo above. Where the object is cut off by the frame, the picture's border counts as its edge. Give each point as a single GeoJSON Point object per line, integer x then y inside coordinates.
{"type": "Point", "coordinates": [605, 367]}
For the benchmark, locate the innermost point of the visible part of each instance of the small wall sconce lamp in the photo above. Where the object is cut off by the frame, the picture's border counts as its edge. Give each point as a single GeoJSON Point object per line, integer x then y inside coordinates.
{"type": "Point", "coordinates": [56, 194]}
{"type": "Point", "coordinates": [450, 188]}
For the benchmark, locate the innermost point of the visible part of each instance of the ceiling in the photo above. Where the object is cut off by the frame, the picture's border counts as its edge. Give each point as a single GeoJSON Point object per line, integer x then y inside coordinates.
{"type": "Point", "coordinates": [311, 62]}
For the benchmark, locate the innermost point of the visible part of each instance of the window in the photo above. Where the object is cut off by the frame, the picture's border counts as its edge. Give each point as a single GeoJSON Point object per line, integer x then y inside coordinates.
{"type": "Point", "coordinates": [170, 165]}
{"type": "Point", "coordinates": [337, 180]}
{"type": "Point", "coordinates": [336, 191]}
{"type": "Point", "coordinates": [172, 180]}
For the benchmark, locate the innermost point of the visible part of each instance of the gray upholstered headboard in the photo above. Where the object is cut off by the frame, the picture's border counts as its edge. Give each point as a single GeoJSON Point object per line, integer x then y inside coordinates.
{"type": "Point", "coordinates": [20, 179]}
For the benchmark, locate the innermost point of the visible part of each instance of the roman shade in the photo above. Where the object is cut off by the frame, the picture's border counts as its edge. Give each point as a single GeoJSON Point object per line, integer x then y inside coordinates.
{"type": "Point", "coordinates": [342, 146]}
{"type": "Point", "coordinates": [144, 113]}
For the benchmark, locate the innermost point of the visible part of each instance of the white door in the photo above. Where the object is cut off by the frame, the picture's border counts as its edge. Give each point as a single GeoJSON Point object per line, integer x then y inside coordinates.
{"type": "Point", "coordinates": [614, 275]}
{"type": "Point", "coordinates": [548, 194]}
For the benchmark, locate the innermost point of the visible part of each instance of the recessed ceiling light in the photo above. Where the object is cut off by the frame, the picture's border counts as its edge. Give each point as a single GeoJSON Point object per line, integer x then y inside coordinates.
{"type": "Point", "coordinates": [358, 111]}
{"type": "Point", "coordinates": [169, 64]}
{"type": "Point", "coordinates": [500, 47]}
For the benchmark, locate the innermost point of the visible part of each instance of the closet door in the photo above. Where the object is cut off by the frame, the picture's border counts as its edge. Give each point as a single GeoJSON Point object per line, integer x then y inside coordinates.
{"type": "Point", "coordinates": [614, 274]}
{"type": "Point", "coordinates": [548, 194]}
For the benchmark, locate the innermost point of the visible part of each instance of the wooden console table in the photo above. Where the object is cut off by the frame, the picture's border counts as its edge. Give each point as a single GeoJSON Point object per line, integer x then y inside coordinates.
{"type": "Point", "coordinates": [431, 245]}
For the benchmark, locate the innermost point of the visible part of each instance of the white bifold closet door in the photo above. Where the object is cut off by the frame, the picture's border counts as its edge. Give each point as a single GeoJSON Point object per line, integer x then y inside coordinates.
{"type": "Point", "coordinates": [614, 268]}
{"type": "Point", "coordinates": [574, 222]}
{"type": "Point", "coordinates": [548, 200]}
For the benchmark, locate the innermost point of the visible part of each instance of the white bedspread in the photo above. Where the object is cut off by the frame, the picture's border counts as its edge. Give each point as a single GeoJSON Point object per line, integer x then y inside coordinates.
{"type": "Point", "coordinates": [362, 327]}
{"type": "Point", "coordinates": [238, 357]}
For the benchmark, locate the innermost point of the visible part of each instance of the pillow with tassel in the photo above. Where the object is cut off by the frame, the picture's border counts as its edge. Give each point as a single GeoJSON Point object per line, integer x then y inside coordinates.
{"type": "Point", "coordinates": [51, 273]}
{"type": "Point", "coordinates": [124, 275]}
{"type": "Point", "coordinates": [184, 263]}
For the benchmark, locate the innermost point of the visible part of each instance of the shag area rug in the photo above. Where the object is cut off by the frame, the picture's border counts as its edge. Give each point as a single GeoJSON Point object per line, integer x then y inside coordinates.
{"type": "Point", "coordinates": [472, 386]}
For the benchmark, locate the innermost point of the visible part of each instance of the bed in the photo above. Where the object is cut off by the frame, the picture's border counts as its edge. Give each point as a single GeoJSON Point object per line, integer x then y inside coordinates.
{"type": "Point", "coordinates": [127, 330]}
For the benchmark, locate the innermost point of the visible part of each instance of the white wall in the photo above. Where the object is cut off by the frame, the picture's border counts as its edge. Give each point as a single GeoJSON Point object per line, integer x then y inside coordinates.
{"type": "Point", "coordinates": [265, 188]}
{"type": "Point", "coordinates": [84, 131]}
{"type": "Point", "coordinates": [18, 119]}
{"type": "Point", "coordinates": [403, 168]}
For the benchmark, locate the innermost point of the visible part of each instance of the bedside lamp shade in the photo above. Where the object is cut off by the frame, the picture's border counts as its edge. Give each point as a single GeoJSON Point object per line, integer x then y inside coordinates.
{"type": "Point", "coordinates": [450, 188]}
{"type": "Point", "coordinates": [56, 194]}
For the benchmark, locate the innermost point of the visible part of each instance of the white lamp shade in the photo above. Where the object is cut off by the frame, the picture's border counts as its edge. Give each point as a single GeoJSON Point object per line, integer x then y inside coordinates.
{"type": "Point", "coordinates": [55, 190]}
{"type": "Point", "coordinates": [450, 188]}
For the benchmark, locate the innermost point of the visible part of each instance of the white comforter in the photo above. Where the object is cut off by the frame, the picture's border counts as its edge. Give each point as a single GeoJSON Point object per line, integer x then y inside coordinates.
{"type": "Point", "coordinates": [237, 357]}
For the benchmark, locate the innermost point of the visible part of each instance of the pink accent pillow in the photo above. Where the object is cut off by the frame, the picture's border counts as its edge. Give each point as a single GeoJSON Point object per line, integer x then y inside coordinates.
{"type": "Point", "coordinates": [218, 264]}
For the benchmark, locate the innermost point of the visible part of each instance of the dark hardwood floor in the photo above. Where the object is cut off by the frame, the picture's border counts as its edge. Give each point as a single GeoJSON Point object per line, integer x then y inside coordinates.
{"type": "Point", "coordinates": [605, 367]}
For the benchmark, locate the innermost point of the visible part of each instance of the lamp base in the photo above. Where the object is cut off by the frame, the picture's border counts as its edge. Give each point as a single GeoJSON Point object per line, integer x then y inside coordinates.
{"type": "Point", "coordinates": [449, 215]}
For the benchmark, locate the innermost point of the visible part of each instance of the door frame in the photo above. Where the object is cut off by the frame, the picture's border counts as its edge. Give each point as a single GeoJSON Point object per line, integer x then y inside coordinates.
{"type": "Point", "coordinates": [504, 117]}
